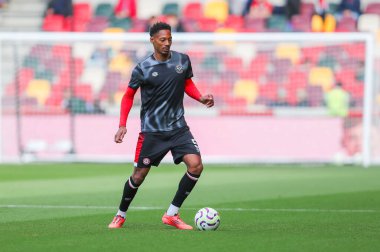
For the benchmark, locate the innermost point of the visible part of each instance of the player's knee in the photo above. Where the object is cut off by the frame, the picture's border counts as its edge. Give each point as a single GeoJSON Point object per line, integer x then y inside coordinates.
{"type": "Point", "coordinates": [196, 168]}
{"type": "Point", "coordinates": [138, 177]}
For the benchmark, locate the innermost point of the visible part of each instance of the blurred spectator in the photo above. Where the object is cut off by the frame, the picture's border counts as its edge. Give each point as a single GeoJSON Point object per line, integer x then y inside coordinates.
{"type": "Point", "coordinates": [246, 8]}
{"type": "Point", "coordinates": [292, 7]}
{"type": "Point", "coordinates": [60, 7]}
{"type": "Point", "coordinates": [125, 8]}
{"type": "Point", "coordinates": [3, 3]}
{"type": "Point", "coordinates": [338, 101]}
{"type": "Point", "coordinates": [260, 9]}
{"type": "Point", "coordinates": [322, 20]}
{"type": "Point", "coordinates": [152, 20]}
{"type": "Point", "coordinates": [352, 136]}
{"type": "Point", "coordinates": [321, 7]}
{"type": "Point", "coordinates": [349, 8]}
{"type": "Point", "coordinates": [236, 7]}
{"type": "Point", "coordinates": [175, 23]}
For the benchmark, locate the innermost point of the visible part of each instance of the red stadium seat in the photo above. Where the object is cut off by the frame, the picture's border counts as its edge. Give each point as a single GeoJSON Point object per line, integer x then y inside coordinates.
{"type": "Point", "coordinates": [82, 11]}
{"type": "Point", "coordinates": [345, 76]}
{"type": "Point", "coordinates": [307, 9]}
{"type": "Point", "coordinates": [301, 23]}
{"type": "Point", "coordinates": [346, 25]}
{"type": "Point", "coordinates": [84, 91]}
{"type": "Point", "coordinates": [356, 51]}
{"type": "Point", "coordinates": [53, 23]}
{"type": "Point", "coordinates": [207, 24]}
{"type": "Point", "coordinates": [298, 79]}
{"type": "Point", "coordinates": [255, 25]}
{"type": "Point", "coordinates": [268, 91]}
{"type": "Point", "coordinates": [193, 11]}
{"type": "Point", "coordinates": [54, 100]}
{"type": "Point", "coordinates": [373, 8]}
{"type": "Point", "coordinates": [233, 63]}
{"type": "Point", "coordinates": [234, 22]}
{"type": "Point", "coordinates": [259, 64]}
{"type": "Point", "coordinates": [221, 89]}
{"type": "Point", "coordinates": [311, 54]}
{"type": "Point", "coordinates": [356, 90]}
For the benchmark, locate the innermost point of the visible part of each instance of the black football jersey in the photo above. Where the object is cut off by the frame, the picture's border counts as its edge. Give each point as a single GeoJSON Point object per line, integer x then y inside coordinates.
{"type": "Point", "coordinates": [162, 86]}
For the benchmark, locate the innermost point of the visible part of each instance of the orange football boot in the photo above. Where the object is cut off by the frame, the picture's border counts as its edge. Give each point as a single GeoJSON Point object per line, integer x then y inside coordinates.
{"type": "Point", "coordinates": [176, 222]}
{"type": "Point", "coordinates": [117, 222]}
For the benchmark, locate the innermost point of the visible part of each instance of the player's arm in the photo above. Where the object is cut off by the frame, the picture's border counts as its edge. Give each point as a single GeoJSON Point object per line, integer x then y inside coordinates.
{"type": "Point", "coordinates": [126, 105]}
{"type": "Point", "coordinates": [192, 91]}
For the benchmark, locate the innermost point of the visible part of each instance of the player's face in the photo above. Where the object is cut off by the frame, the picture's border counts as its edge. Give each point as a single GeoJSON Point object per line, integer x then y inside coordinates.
{"type": "Point", "coordinates": [162, 42]}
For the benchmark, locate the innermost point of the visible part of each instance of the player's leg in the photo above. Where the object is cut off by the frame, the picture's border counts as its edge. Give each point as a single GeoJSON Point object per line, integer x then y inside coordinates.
{"type": "Point", "coordinates": [188, 181]}
{"type": "Point", "coordinates": [131, 187]}
{"type": "Point", "coordinates": [129, 192]}
{"type": "Point", "coordinates": [150, 150]}
{"type": "Point", "coordinates": [186, 185]}
{"type": "Point", "coordinates": [186, 150]}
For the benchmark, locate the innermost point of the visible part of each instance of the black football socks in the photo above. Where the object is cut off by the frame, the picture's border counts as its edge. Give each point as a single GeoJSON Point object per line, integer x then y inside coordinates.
{"type": "Point", "coordinates": [185, 186]}
{"type": "Point", "coordinates": [130, 190]}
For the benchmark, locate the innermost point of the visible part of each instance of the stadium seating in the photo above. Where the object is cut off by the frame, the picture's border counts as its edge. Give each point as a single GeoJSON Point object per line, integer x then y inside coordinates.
{"type": "Point", "coordinates": [216, 9]}
{"type": "Point", "coordinates": [290, 74]}
{"type": "Point", "coordinates": [171, 9]}
{"type": "Point", "coordinates": [369, 23]}
{"type": "Point", "coordinates": [100, 15]}
{"type": "Point", "coordinates": [39, 89]}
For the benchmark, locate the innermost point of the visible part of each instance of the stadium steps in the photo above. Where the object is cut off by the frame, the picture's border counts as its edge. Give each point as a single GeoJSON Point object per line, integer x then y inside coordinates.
{"type": "Point", "coordinates": [22, 16]}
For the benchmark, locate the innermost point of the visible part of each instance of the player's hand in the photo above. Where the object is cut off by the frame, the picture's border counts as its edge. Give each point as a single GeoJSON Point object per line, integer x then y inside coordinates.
{"type": "Point", "coordinates": [207, 100]}
{"type": "Point", "coordinates": [120, 134]}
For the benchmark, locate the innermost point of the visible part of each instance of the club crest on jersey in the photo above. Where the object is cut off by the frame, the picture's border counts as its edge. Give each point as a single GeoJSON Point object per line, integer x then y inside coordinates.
{"type": "Point", "coordinates": [154, 74]}
{"type": "Point", "coordinates": [146, 161]}
{"type": "Point", "coordinates": [179, 69]}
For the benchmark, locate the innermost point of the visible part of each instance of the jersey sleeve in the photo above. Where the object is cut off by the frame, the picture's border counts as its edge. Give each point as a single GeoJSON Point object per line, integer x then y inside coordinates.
{"type": "Point", "coordinates": [189, 71]}
{"type": "Point", "coordinates": [136, 78]}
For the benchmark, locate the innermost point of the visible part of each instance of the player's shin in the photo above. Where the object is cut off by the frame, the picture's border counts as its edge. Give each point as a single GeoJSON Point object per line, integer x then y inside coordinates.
{"type": "Point", "coordinates": [129, 192]}
{"type": "Point", "coordinates": [185, 186]}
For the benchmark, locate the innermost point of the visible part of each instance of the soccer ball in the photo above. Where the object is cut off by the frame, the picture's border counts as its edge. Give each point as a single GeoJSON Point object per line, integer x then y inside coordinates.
{"type": "Point", "coordinates": [207, 219]}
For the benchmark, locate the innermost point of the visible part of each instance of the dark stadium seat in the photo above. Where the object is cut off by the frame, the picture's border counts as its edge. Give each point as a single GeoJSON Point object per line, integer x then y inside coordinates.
{"type": "Point", "coordinates": [170, 9]}
{"type": "Point", "coordinates": [124, 23]}
{"type": "Point", "coordinates": [276, 23]}
{"type": "Point", "coordinates": [104, 10]}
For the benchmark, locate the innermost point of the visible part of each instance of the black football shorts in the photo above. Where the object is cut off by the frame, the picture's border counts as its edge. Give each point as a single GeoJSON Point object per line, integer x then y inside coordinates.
{"type": "Point", "coordinates": [153, 146]}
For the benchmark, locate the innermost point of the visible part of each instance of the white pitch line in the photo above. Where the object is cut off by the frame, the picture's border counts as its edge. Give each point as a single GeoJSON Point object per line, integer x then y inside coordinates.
{"type": "Point", "coordinates": [148, 208]}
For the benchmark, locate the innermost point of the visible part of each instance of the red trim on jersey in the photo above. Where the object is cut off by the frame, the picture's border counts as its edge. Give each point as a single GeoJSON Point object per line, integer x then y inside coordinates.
{"type": "Point", "coordinates": [191, 90]}
{"type": "Point", "coordinates": [140, 142]}
{"type": "Point", "coordinates": [126, 105]}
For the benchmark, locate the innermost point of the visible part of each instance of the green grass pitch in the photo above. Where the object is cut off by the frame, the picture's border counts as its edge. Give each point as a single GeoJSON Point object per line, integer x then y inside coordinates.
{"type": "Point", "coordinates": [67, 207]}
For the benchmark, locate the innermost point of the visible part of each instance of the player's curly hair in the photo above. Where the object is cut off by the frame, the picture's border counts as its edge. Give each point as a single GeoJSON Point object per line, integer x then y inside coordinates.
{"type": "Point", "coordinates": [158, 27]}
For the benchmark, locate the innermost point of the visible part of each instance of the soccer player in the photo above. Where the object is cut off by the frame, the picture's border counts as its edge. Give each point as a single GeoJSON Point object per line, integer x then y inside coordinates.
{"type": "Point", "coordinates": [163, 77]}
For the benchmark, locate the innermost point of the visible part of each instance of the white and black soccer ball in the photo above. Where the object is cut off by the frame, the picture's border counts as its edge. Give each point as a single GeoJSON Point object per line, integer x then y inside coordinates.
{"type": "Point", "coordinates": [207, 218]}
